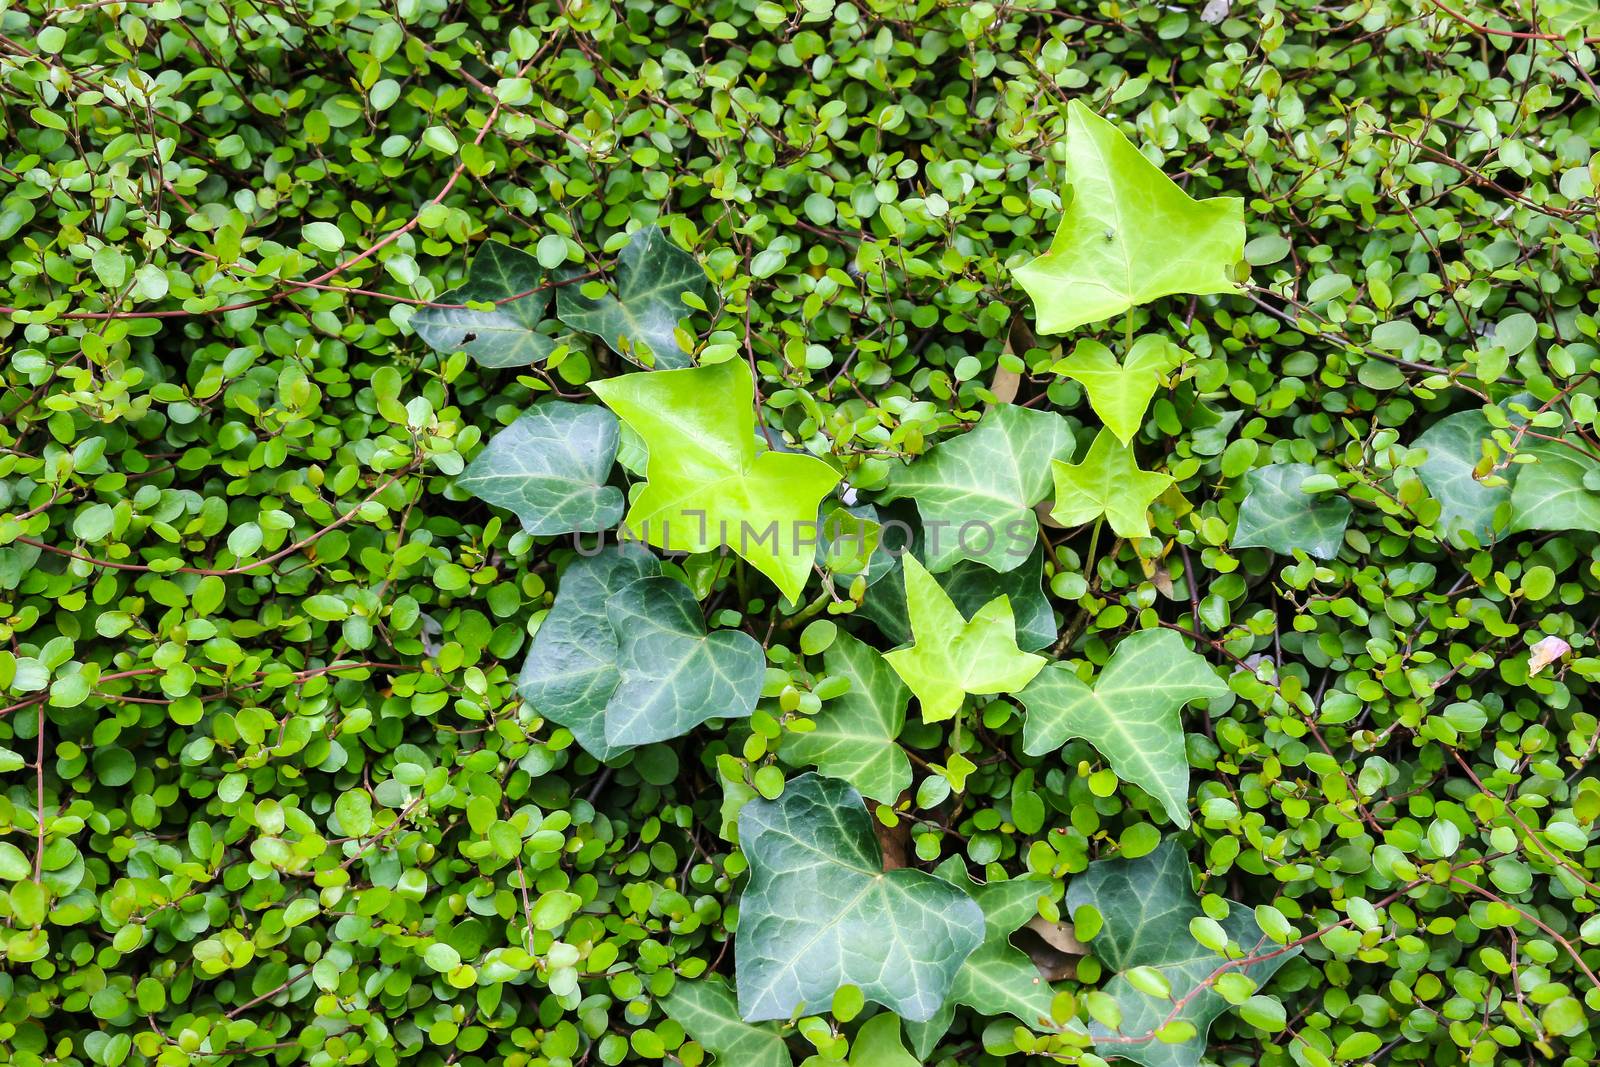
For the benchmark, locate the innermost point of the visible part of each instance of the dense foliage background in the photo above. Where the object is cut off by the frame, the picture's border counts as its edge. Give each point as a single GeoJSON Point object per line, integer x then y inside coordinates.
{"type": "Point", "coordinates": [239, 589]}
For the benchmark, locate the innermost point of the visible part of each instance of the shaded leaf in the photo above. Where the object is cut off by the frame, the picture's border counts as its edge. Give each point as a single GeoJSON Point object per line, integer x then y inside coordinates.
{"type": "Point", "coordinates": [820, 912]}
{"type": "Point", "coordinates": [1127, 235]}
{"type": "Point", "coordinates": [638, 322]}
{"type": "Point", "coordinates": [550, 468]}
{"type": "Point", "coordinates": [1132, 713]}
{"type": "Point", "coordinates": [707, 486]}
{"type": "Point", "coordinates": [953, 656]}
{"type": "Point", "coordinates": [1276, 514]}
{"type": "Point", "coordinates": [975, 492]}
{"type": "Point", "coordinates": [505, 336]}
{"type": "Point", "coordinates": [854, 735]}
{"type": "Point", "coordinates": [1107, 483]}
{"type": "Point", "coordinates": [1147, 904]}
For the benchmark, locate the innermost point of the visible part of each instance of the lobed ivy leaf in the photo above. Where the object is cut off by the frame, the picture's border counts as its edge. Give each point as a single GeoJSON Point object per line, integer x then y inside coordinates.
{"type": "Point", "coordinates": [623, 658]}
{"type": "Point", "coordinates": [506, 335]}
{"type": "Point", "coordinates": [976, 492]}
{"type": "Point", "coordinates": [672, 675]}
{"type": "Point", "coordinates": [970, 586]}
{"type": "Point", "coordinates": [952, 655]}
{"type": "Point", "coordinates": [571, 668]}
{"type": "Point", "coordinates": [1278, 515]}
{"type": "Point", "coordinates": [1146, 905]}
{"type": "Point", "coordinates": [1455, 447]}
{"type": "Point", "coordinates": [640, 321]}
{"type": "Point", "coordinates": [820, 912]}
{"type": "Point", "coordinates": [709, 1012]}
{"type": "Point", "coordinates": [1553, 492]}
{"type": "Point", "coordinates": [854, 735]}
{"type": "Point", "coordinates": [550, 468]}
{"type": "Point", "coordinates": [1128, 234]}
{"type": "Point", "coordinates": [1131, 714]}
{"type": "Point", "coordinates": [1109, 483]}
{"type": "Point", "coordinates": [1120, 392]}
{"type": "Point", "coordinates": [707, 486]}
{"type": "Point", "coordinates": [998, 978]}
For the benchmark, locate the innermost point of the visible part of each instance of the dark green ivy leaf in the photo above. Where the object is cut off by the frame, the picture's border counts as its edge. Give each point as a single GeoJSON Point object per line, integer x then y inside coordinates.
{"type": "Point", "coordinates": [638, 322]}
{"type": "Point", "coordinates": [550, 468]}
{"type": "Point", "coordinates": [820, 912]}
{"type": "Point", "coordinates": [1278, 515]}
{"type": "Point", "coordinates": [508, 335]}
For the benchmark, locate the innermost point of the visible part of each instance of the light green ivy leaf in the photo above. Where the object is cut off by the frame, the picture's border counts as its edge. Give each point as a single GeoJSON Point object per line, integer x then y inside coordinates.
{"type": "Point", "coordinates": [854, 734]}
{"type": "Point", "coordinates": [709, 1012]}
{"type": "Point", "coordinates": [1147, 905]}
{"type": "Point", "coordinates": [1277, 514]}
{"type": "Point", "coordinates": [976, 492]}
{"type": "Point", "coordinates": [1553, 492]}
{"type": "Point", "coordinates": [506, 335]}
{"type": "Point", "coordinates": [820, 911]}
{"type": "Point", "coordinates": [707, 486]}
{"type": "Point", "coordinates": [1131, 714]}
{"type": "Point", "coordinates": [1121, 392]}
{"type": "Point", "coordinates": [970, 586]}
{"type": "Point", "coordinates": [550, 468]}
{"type": "Point", "coordinates": [1128, 234]}
{"type": "Point", "coordinates": [640, 320]}
{"type": "Point", "coordinates": [1455, 446]}
{"type": "Point", "coordinates": [952, 655]}
{"type": "Point", "coordinates": [1107, 483]}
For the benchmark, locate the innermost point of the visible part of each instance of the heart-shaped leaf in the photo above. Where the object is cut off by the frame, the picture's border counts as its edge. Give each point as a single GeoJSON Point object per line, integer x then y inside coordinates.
{"type": "Point", "coordinates": [640, 320]}
{"type": "Point", "coordinates": [673, 676]}
{"type": "Point", "coordinates": [550, 468]}
{"type": "Point", "coordinates": [1128, 234]}
{"type": "Point", "coordinates": [707, 486]}
{"type": "Point", "coordinates": [709, 1012]}
{"type": "Point", "coordinates": [506, 335]}
{"type": "Point", "coordinates": [820, 912]}
{"type": "Point", "coordinates": [1131, 714]}
{"type": "Point", "coordinates": [854, 734]}
{"type": "Point", "coordinates": [1277, 514]}
{"type": "Point", "coordinates": [1147, 905]}
{"type": "Point", "coordinates": [954, 656]}
{"type": "Point", "coordinates": [1109, 483]}
{"type": "Point", "coordinates": [976, 492]}
{"type": "Point", "coordinates": [1121, 392]}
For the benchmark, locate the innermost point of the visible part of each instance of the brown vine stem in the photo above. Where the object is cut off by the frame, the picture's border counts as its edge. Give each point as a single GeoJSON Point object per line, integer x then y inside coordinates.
{"type": "Point", "coordinates": [1520, 35]}
{"type": "Point", "coordinates": [1535, 920]}
{"type": "Point", "coordinates": [1524, 827]}
{"type": "Point", "coordinates": [229, 571]}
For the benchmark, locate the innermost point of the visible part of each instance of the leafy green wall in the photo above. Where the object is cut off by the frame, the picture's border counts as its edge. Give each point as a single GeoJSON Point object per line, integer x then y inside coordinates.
{"type": "Point", "coordinates": [269, 792]}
